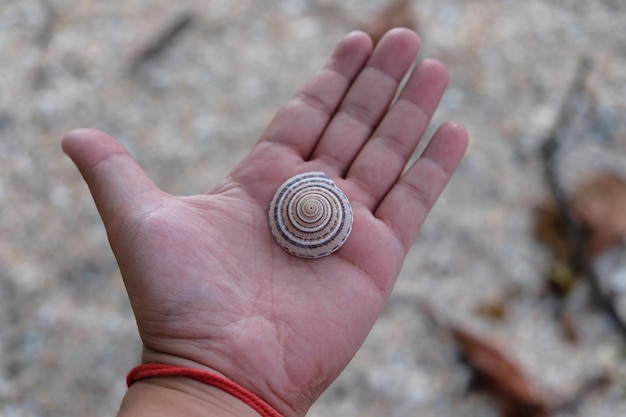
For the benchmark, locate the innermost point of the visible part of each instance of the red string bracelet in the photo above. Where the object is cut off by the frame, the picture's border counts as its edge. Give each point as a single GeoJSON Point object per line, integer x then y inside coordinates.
{"type": "Point", "coordinates": [154, 370]}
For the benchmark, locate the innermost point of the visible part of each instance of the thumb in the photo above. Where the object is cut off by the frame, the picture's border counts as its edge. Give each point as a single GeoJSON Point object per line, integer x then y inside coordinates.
{"type": "Point", "coordinates": [120, 188]}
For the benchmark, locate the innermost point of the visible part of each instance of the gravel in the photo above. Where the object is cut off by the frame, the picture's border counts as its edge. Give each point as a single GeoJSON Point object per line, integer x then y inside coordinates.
{"type": "Point", "coordinates": [188, 114]}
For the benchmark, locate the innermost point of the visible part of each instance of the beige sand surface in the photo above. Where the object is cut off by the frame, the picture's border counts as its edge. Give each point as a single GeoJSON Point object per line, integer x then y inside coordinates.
{"type": "Point", "coordinates": [67, 335]}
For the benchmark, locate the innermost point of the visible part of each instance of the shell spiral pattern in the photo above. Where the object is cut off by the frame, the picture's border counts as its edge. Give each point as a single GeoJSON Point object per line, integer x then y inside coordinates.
{"type": "Point", "coordinates": [310, 216]}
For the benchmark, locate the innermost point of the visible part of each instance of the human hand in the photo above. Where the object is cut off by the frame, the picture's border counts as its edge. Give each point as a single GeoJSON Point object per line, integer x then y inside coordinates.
{"type": "Point", "coordinates": [209, 286]}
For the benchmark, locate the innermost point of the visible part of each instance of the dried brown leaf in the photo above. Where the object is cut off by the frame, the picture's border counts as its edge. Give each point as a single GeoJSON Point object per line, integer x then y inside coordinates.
{"type": "Point", "coordinates": [495, 309]}
{"type": "Point", "coordinates": [500, 376]}
{"type": "Point", "coordinates": [496, 374]}
{"type": "Point", "coordinates": [549, 229]}
{"type": "Point", "coordinates": [397, 14]}
{"type": "Point", "coordinates": [599, 204]}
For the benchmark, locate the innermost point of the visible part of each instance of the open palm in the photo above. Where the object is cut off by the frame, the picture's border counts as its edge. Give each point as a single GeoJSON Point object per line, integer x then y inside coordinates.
{"type": "Point", "coordinates": [208, 284]}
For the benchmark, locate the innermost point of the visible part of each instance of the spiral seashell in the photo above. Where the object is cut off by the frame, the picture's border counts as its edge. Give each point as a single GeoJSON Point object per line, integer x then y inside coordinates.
{"type": "Point", "coordinates": [310, 216]}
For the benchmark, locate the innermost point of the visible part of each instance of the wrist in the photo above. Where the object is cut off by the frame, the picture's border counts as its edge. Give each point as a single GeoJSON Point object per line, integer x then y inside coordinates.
{"type": "Point", "coordinates": [180, 396]}
{"type": "Point", "coordinates": [272, 403]}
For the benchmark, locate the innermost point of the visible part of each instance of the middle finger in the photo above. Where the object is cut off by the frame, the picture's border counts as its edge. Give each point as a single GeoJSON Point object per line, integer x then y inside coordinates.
{"type": "Point", "coordinates": [366, 101]}
{"type": "Point", "coordinates": [382, 159]}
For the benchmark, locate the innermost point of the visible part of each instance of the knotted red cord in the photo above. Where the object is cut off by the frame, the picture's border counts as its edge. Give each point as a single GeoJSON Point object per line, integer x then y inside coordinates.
{"type": "Point", "coordinates": [155, 370]}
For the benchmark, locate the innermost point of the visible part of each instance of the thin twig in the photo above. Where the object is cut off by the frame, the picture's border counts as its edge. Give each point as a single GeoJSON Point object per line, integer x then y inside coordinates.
{"type": "Point", "coordinates": [162, 40]}
{"type": "Point", "coordinates": [47, 28]}
{"type": "Point", "coordinates": [561, 134]}
{"type": "Point", "coordinates": [588, 387]}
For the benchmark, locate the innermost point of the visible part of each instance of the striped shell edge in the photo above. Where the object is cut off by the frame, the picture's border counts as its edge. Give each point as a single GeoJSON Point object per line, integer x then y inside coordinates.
{"type": "Point", "coordinates": [310, 217]}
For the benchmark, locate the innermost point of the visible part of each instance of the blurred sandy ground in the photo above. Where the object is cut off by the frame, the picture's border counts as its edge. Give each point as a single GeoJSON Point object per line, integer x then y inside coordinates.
{"type": "Point", "coordinates": [190, 113]}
